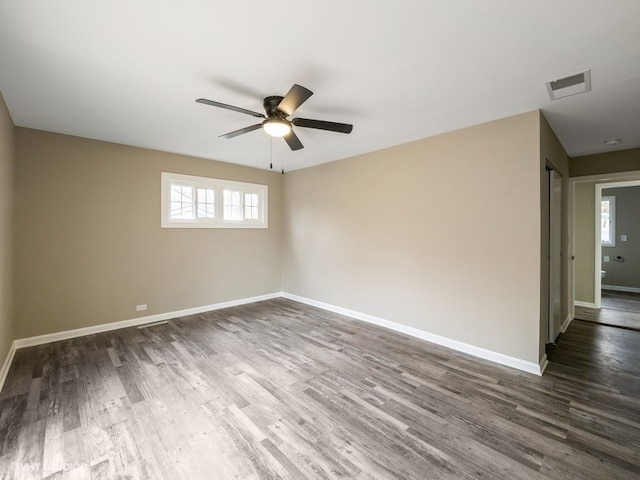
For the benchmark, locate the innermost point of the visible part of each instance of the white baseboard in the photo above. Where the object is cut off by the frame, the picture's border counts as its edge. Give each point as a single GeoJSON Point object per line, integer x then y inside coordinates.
{"type": "Point", "coordinates": [79, 332]}
{"type": "Point", "coordinates": [7, 364]}
{"type": "Point", "coordinates": [617, 288]}
{"type": "Point", "coordinates": [544, 362]}
{"type": "Point", "coordinates": [517, 363]}
{"type": "Point", "coordinates": [492, 356]}
{"type": "Point", "coordinates": [565, 324]}
{"type": "Point", "coordinates": [578, 303]}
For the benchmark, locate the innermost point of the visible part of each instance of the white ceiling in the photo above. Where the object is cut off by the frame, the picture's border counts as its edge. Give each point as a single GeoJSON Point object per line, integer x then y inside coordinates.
{"type": "Point", "coordinates": [129, 71]}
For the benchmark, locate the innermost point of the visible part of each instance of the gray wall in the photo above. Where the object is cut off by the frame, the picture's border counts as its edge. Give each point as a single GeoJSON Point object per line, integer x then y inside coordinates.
{"type": "Point", "coordinates": [625, 274]}
{"type": "Point", "coordinates": [89, 244]}
{"type": "Point", "coordinates": [6, 208]}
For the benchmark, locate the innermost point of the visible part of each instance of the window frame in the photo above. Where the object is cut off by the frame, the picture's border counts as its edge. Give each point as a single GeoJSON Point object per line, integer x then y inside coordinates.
{"type": "Point", "coordinates": [612, 220]}
{"type": "Point", "coordinates": [218, 186]}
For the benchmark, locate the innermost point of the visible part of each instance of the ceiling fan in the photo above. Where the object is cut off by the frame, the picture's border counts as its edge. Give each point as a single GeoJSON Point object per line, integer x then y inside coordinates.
{"type": "Point", "coordinates": [275, 121]}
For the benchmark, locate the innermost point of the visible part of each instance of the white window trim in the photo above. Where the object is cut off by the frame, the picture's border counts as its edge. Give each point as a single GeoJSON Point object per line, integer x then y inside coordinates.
{"type": "Point", "coordinates": [218, 185]}
{"type": "Point", "coordinates": [612, 221]}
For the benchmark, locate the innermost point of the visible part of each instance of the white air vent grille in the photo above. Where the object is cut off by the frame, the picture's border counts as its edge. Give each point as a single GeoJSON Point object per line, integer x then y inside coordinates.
{"type": "Point", "coordinates": [571, 85]}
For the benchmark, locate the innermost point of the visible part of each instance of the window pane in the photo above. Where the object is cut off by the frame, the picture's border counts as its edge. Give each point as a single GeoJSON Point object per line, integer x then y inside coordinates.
{"type": "Point", "coordinates": [251, 199]}
{"type": "Point", "coordinates": [606, 230]}
{"type": "Point", "coordinates": [205, 195]}
{"type": "Point", "coordinates": [231, 197]}
{"type": "Point", "coordinates": [181, 202]}
{"type": "Point", "coordinates": [607, 213]}
{"type": "Point", "coordinates": [604, 218]}
{"type": "Point", "coordinates": [233, 212]}
{"type": "Point", "coordinates": [251, 206]}
{"type": "Point", "coordinates": [233, 205]}
{"type": "Point", "coordinates": [204, 211]}
{"type": "Point", "coordinates": [181, 210]}
{"type": "Point", "coordinates": [206, 207]}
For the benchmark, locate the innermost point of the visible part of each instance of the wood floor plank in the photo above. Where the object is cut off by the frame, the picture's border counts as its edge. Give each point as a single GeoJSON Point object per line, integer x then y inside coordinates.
{"type": "Point", "coordinates": [280, 390]}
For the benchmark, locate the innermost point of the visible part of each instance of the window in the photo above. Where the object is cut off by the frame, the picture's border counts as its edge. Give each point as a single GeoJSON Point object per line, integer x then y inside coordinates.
{"type": "Point", "coordinates": [251, 206]}
{"type": "Point", "coordinates": [233, 205]}
{"type": "Point", "coordinates": [608, 221]}
{"type": "Point", "coordinates": [181, 202]}
{"type": "Point", "coordinates": [206, 203]}
{"type": "Point", "coordinates": [202, 202]}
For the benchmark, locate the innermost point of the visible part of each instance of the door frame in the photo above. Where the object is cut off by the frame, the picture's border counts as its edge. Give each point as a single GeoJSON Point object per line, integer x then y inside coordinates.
{"type": "Point", "coordinates": [618, 179]}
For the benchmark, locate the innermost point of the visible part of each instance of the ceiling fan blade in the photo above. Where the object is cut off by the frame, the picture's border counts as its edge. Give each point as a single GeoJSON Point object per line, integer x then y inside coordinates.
{"type": "Point", "coordinates": [293, 141]}
{"type": "Point", "coordinates": [235, 133]}
{"type": "Point", "coordinates": [323, 125]}
{"type": "Point", "coordinates": [230, 107]}
{"type": "Point", "coordinates": [293, 99]}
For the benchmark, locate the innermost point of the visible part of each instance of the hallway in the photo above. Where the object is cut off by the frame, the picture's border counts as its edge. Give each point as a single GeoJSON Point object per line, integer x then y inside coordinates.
{"type": "Point", "coordinates": [602, 356]}
{"type": "Point", "coordinates": [618, 309]}
{"type": "Point", "coordinates": [625, 301]}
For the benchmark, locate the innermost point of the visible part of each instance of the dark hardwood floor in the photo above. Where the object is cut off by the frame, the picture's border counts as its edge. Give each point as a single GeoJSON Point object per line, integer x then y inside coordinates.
{"type": "Point", "coordinates": [280, 390]}
{"type": "Point", "coordinates": [618, 309]}
{"type": "Point", "coordinates": [625, 301]}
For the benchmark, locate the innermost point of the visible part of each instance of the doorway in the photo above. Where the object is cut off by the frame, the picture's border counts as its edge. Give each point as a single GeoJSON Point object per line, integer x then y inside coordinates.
{"type": "Point", "coordinates": [604, 252]}
{"type": "Point", "coordinates": [616, 241]}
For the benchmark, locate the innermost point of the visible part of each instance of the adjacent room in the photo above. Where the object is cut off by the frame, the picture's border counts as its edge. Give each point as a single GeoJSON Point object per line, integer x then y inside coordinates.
{"type": "Point", "coordinates": [288, 241]}
{"type": "Point", "coordinates": [611, 252]}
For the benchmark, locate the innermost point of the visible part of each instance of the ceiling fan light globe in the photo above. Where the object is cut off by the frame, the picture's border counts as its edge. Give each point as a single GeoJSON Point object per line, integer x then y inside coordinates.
{"type": "Point", "coordinates": [276, 127]}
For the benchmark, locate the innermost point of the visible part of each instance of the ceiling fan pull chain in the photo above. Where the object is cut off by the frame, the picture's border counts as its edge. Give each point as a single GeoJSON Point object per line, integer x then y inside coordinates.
{"type": "Point", "coordinates": [271, 153]}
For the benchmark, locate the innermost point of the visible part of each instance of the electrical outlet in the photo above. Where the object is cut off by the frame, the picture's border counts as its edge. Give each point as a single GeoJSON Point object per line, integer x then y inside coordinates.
{"type": "Point", "coordinates": [623, 238]}
{"type": "Point", "coordinates": [141, 307]}
{"type": "Point", "coordinates": [606, 258]}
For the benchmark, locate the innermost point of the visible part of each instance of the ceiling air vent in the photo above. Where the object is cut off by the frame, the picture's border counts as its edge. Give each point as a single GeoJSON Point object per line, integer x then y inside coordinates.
{"type": "Point", "coordinates": [571, 85]}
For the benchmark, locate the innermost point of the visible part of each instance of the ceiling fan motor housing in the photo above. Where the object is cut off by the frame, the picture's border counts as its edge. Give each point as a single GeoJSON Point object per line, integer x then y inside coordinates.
{"type": "Point", "coordinates": [271, 106]}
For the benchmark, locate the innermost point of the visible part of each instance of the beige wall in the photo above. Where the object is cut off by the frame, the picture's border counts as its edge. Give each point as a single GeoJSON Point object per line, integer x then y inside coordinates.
{"type": "Point", "coordinates": [611, 162]}
{"type": "Point", "coordinates": [584, 233]}
{"type": "Point", "coordinates": [90, 247]}
{"type": "Point", "coordinates": [6, 207]}
{"type": "Point", "coordinates": [441, 234]}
